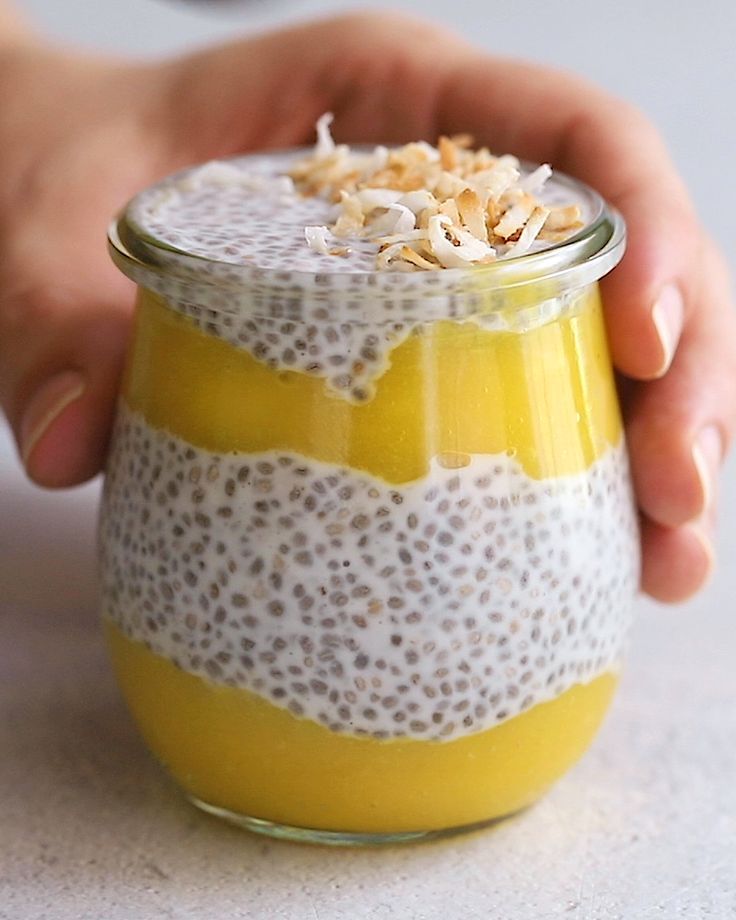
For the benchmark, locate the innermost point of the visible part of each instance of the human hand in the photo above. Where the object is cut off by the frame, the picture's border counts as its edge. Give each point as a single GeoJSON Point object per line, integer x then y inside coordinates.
{"type": "Point", "coordinates": [80, 135]}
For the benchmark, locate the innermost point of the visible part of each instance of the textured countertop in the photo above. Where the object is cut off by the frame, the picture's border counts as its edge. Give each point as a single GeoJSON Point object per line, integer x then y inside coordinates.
{"type": "Point", "coordinates": [90, 828]}
{"type": "Point", "coordinates": [643, 829]}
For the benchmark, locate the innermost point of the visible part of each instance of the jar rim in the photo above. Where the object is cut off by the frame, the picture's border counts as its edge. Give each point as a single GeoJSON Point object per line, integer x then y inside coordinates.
{"type": "Point", "coordinates": [581, 259]}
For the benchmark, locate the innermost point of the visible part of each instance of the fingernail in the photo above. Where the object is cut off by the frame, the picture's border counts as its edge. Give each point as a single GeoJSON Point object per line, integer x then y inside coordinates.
{"type": "Point", "coordinates": [667, 316]}
{"type": "Point", "coordinates": [707, 451]}
{"type": "Point", "coordinates": [46, 405]}
{"type": "Point", "coordinates": [702, 534]}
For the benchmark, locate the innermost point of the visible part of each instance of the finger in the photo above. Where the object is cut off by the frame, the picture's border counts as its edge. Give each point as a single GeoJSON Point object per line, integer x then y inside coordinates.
{"type": "Point", "coordinates": [679, 427]}
{"type": "Point", "coordinates": [677, 562]}
{"type": "Point", "coordinates": [64, 308]}
{"type": "Point", "coordinates": [61, 356]}
{"type": "Point", "coordinates": [373, 70]}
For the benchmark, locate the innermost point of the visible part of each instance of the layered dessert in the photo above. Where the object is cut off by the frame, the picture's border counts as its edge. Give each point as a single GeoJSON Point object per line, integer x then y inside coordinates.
{"type": "Point", "coordinates": [368, 545]}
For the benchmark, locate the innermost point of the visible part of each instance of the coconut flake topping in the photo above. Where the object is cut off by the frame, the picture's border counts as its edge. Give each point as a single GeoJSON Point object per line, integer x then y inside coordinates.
{"type": "Point", "coordinates": [428, 208]}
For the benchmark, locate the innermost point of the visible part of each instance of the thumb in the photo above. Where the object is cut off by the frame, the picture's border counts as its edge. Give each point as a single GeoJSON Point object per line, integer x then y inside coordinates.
{"type": "Point", "coordinates": [60, 363]}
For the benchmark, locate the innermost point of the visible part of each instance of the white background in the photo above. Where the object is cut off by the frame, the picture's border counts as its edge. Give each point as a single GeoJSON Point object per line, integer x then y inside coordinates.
{"type": "Point", "coordinates": [643, 828]}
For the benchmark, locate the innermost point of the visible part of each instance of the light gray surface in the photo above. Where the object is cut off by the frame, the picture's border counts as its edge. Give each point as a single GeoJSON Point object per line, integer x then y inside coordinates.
{"type": "Point", "coordinates": [90, 829]}
{"type": "Point", "coordinates": [644, 827]}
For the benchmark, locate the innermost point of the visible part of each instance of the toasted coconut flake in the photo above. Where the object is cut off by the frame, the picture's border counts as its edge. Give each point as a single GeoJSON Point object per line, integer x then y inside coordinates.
{"type": "Point", "coordinates": [563, 218]}
{"type": "Point", "coordinates": [491, 183]}
{"type": "Point", "coordinates": [530, 231]}
{"type": "Point", "coordinates": [399, 178]}
{"type": "Point", "coordinates": [454, 247]}
{"type": "Point", "coordinates": [535, 180]}
{"type": "Point", "coordinates": [418, 152]}
{"type": "Point", "coordinates": [508, 159]}
{"type": "Point", "coordinates": [418, 201]}
{"type": "Point", "coordinates": [448, 153]}
{"type": "Point", "coordinates": [555, 236]}
{"type": "Point", "coordinates": [429, 207]}
{"type": "Point", "coordinates": [375, 160]}
{"type": "Point", "coordinates": [372, 198]}
{"type": "Point", "coordinates": [410, 236]}
{"type": "Point", "coordinates": [449, 185]}
{"type": "Point", "coordinates": [493, 213]}
{"type": "Point", "coordinates": [511, 197]}
{"type": "Point", "coordinates": [388, 255]}
{"type": "Point", "coordinates": [515, 218]}
{"type": "Point", "coordinates": [395, 219]}
{"type": "Point", "coordinates": [481, 160]}
{"type": "Point", "coordinates": [471, 213]}
{"type": "Point", "coordinates": [463, 141]}
{"type": "Point", "coordinates": [427, 214]}
{"type": "Point", "coordinates": [325, 144]}
{"type": "Point", "coordinates": [316, 238]}
{"type": "Point", "coordinates": [449, 209]}
{"type": "Point", "coordinates": [414, 258]}
{"type": "Point", "coordinates": [561, 224]}
{"type": "Point", "coordinates": [351, 220]}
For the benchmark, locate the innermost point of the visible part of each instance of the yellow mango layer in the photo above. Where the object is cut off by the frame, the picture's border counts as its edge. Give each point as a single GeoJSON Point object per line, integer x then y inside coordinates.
{"type": "Point", "coordinates": [547, 396]}
{"type": "Point", "coordinates": [233, 749]}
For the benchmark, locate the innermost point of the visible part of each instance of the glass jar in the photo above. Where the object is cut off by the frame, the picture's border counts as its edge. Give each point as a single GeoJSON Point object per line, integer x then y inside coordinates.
{"type": "Point", "coordinates": [368, 542]}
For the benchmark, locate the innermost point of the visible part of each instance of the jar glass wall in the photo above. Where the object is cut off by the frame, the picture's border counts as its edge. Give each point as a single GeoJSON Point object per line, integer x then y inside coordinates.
{"type": "Point", "coordinates": [368, 547]}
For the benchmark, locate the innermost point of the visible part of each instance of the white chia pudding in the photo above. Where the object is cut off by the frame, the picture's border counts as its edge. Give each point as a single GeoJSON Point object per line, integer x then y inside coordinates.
{"type": "Point", "coordinates": [432, 609]}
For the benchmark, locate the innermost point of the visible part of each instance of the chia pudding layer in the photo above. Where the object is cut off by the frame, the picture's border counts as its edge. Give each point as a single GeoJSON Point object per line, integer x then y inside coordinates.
{"type": "Point", "coordinates": [431, 609]}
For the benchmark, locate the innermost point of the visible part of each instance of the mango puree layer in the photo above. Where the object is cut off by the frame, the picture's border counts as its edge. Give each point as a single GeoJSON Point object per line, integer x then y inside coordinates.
{"type": "Point", "coordinates": [230, 748]}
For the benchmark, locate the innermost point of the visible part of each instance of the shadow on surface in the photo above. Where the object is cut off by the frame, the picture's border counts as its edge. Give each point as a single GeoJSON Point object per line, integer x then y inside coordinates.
{"type": "Point", "coordinates": [47, 550]}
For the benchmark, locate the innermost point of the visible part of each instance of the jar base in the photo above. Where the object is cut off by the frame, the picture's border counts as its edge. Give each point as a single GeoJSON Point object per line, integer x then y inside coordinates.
{"type": "Point", "coordinates": [339, 838]}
